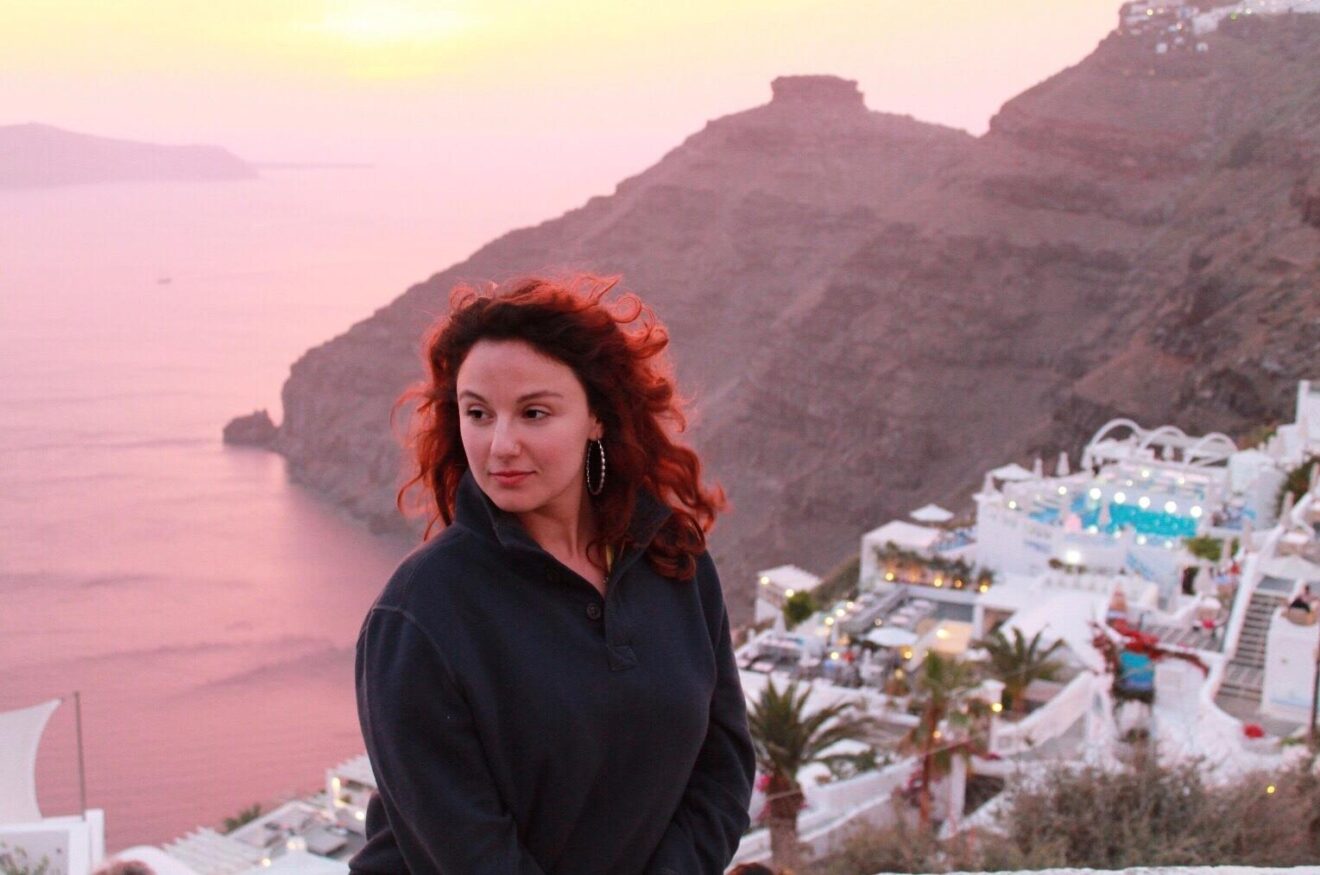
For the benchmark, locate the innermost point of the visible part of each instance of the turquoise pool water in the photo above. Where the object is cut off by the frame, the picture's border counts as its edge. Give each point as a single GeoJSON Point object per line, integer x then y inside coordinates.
{"type": "Point", "coordinates": [1150, 521]}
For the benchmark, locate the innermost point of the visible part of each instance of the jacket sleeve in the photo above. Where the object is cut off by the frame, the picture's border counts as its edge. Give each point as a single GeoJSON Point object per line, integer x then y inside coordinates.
{"type": "Point", "coordinates": [441, 807]}
{"type": "Point", "coordinates": [712, 816]}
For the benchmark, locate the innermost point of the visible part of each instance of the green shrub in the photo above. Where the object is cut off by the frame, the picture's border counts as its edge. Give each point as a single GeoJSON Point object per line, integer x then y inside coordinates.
{"type": "Point", "coordinates": [247, 815]}
{"type": "Point", "coordinates": [798, 607]}
{"type": "Point", "coordinates": [1144, 814]}
{"type": "Point", "coordinates": [14, 861]}
{"type": "Point", "coordinates": [1205, 547]}
{"type": "Point", "coordinates": [1298, 479]}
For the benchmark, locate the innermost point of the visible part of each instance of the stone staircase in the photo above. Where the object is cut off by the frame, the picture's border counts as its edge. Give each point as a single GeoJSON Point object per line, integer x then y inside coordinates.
{"type": "Point", "coordinates": [1244, 675]}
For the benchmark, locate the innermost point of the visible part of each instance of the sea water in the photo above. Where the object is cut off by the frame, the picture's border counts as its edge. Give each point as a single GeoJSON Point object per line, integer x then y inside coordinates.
{"type": "Point", "coordinates": [203, 606]}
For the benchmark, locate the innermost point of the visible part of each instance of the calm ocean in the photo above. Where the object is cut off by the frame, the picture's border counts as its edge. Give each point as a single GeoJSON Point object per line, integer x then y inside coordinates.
{"type": "Point", "coordinates": [205, 608]}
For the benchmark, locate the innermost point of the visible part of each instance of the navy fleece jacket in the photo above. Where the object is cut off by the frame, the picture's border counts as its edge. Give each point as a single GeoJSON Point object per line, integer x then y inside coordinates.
{"type": "Point", "coordinates": [519, 724]}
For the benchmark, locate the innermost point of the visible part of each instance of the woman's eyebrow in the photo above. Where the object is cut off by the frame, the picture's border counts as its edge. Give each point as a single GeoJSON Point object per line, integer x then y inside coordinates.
{"type": "Point", "coordinates": [542, 393]}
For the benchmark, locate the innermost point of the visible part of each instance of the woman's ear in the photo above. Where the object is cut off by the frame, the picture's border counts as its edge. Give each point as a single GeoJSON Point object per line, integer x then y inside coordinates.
{"type": "Point", "coordinates": [597, 429]}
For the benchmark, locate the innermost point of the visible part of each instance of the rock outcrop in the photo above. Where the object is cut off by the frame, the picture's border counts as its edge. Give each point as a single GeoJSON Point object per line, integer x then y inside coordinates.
{"type": "Point", "coordinates": [871, 310]}
{"type": "Point", "coordinates": [254, 430]}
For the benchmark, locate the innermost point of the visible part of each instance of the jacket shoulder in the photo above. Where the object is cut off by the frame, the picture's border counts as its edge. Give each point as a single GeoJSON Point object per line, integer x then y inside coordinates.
{"type": "Point", "coordinates": [710, 591]}
{"type": "Point", "coordinates": [431, 569]}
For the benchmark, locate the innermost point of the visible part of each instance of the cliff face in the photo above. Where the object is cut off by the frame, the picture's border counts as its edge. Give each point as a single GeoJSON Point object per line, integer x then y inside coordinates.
{"type": "Point", "coordinates": [871, 310]}
{"type": "Point", "coordinates": [40, 156]}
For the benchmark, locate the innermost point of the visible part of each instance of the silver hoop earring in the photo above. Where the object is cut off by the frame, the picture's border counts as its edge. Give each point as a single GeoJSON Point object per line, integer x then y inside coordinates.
{"type": "Point", "coordinates": [600, 479]}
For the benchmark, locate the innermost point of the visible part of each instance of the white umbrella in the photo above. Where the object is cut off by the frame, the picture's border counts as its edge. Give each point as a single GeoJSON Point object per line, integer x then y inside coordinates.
{"type": "Point", "coordinates": [1012, 471]}
{"type": "Point", "coordinates": [931, 513]}
{"type": "Point", "coordinates": [890, 636]}
{"type": "Point", "coordinates": [1208, 608]}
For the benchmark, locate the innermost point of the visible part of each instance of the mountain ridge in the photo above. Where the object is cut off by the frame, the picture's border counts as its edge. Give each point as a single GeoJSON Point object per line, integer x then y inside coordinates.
{"type": "Point", "coordinates": [871, 310]}
{"type": "Point", "coordinates": [35, 155]}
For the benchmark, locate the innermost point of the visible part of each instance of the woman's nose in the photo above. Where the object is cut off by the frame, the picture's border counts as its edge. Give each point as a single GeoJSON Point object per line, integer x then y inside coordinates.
{"type": "Point", "coordinates": [504, 442]}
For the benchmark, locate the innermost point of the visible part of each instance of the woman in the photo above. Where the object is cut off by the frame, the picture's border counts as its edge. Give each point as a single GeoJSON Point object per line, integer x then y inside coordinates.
{"type": "Point", "coordinates": [549, 686]}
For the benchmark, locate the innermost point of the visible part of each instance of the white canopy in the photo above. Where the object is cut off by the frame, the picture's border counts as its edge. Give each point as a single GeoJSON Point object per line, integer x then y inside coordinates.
{"type": "Point", "coordinates": [1012, 471]}
{"type": "Point", "coordinates": [1291, 567]}
{"type": "Point", "coordinates": [891, 636]}
{"type": "Point", "coordinates": [931, 513]}
{"type": "Point", "coordinates": [789, 577]}
{"type": "Point", "coordinates": [20, 734]}
{"type": "Point", "coordinates": [904, 534]}
{"type": "Point", "coordinates": [1063, 615]}
{"type": "Point", "coordinates": [302, 863]}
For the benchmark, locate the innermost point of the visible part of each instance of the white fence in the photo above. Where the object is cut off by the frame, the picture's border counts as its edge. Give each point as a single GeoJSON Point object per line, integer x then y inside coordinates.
{"type": "Point", "coordinates": [1050, 721]}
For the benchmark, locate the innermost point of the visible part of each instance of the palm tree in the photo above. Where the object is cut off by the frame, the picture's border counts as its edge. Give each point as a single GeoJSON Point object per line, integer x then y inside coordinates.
{"type": "Point", "coordinates": [1018, 662]}
{"type": "Point", "coordinates": [939, 684]}
{"type": "Point", "coordinates": [786, 740]}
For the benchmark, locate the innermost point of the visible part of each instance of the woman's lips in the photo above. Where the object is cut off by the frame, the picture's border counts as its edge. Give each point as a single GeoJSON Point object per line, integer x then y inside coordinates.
{"type": "Point", "coordinates": [512, 478]}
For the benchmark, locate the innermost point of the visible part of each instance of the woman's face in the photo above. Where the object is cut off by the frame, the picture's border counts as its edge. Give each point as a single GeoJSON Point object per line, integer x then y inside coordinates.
{"type": "Point", "coordinates": [525, 423]}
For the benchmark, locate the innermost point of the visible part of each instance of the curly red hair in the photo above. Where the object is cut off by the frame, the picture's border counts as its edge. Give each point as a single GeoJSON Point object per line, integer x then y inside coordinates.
{"type": "Point", "coordinates": [616, 350]}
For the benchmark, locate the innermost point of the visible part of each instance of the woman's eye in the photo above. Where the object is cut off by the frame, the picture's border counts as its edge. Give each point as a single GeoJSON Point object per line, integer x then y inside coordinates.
{"type": "Point", "coordinates": [474, 413]}
{"type": "Point", "coordinates": [536, 414]}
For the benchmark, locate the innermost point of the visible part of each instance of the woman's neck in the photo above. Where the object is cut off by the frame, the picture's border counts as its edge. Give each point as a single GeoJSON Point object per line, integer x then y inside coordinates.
{"type": "Point", "coordinates": [563, 534]}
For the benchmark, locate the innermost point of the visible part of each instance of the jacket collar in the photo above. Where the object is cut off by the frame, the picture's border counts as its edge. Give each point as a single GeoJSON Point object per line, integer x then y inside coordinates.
{"type": "Point", "coordinates": [474, 510]}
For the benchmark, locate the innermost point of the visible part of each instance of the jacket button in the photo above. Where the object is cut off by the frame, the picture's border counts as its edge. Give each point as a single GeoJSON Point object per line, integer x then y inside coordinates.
{"type": "Point", "coordinates": [593, 611]}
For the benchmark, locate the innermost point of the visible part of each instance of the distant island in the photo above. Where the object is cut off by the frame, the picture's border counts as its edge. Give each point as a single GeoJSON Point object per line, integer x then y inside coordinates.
{"type": "Point", "coordinates": [43, 156]}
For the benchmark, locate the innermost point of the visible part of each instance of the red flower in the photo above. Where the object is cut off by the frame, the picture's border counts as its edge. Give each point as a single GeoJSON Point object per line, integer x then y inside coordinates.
{"type": "Point", "coordinates": [1253, 730]}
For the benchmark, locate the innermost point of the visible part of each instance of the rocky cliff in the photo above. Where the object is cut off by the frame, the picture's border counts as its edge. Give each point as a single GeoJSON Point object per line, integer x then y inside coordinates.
{"type": "Point", "coordinates": [871, 310]}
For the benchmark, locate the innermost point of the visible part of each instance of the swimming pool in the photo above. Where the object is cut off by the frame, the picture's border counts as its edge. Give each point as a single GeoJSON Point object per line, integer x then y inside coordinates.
{"type": "Point", "coordinates": [1145, 521]}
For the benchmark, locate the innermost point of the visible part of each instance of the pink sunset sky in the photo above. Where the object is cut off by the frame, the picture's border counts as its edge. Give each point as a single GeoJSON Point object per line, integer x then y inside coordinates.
{"type": "Point", "coordinates": [561, 97]}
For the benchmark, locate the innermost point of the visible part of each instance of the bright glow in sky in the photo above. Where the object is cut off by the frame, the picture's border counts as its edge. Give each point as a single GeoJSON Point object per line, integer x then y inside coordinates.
{"type": "Point", "coordinates": [595, 89]}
